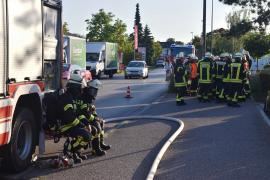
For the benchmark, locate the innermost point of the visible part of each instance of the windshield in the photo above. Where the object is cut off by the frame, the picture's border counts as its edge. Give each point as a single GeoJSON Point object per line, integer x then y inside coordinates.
{"type": "Point", "coordinates": [136, 64]}
{"type": "Point", "coordinates": [93, 57]}
{"type": "Point", "coordinates": [176, 50]}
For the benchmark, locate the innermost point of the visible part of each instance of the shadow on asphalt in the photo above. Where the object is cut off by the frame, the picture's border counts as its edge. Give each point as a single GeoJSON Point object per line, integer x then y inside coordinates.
{"type": "Point", "coordinates": [219, 142]}
{"type": "Point", "coordinates": [41, 169]}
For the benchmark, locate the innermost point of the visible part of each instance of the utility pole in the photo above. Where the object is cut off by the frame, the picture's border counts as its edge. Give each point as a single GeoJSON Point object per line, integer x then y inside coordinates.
{"type": "Point", "coordinates": [212, 24]}
{"type": "Point", "coordinates": [204, 29]}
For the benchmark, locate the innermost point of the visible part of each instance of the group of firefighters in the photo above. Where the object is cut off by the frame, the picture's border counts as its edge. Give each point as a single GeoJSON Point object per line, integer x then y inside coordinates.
{"type": "Point", "coordinates": [77, 119]}
{"type": "Point", "coordinates": [224, 78]}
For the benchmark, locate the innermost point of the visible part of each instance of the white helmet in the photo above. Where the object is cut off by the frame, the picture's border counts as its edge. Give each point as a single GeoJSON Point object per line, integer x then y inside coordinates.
{"type": "Point", "coordinates": [94, 83]}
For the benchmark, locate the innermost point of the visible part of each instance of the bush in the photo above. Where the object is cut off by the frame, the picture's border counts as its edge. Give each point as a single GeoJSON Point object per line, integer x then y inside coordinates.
{"type": "Point", "coordinates": [256, 88]}
{"type": "Point", "coordinates": [265, 79]}
{"type": "Point", "coordinates": [266, 66]}
{"type": "Point", "coordinates": [267, 104]}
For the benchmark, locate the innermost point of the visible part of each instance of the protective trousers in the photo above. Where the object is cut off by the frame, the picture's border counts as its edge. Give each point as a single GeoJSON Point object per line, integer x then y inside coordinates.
{"type": "Point", "coordinates": [205, 90]}
{"type": "Point", "coordinates": [194, 86]}
{"type": "Point", "coordinates": [180, 93]}
{"type": "Point", "coordinates": [219, 86]}
{"type": "Point", "coordinates": [235, 91]}
{"type": "Point", "coordinates": [80, 138]}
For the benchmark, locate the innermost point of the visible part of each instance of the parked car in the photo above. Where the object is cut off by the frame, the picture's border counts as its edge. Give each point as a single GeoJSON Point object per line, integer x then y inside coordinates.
{"type": "Point", "coordinates": [160, 63]}
{"type": "Point", "coordinates": [136, 69]}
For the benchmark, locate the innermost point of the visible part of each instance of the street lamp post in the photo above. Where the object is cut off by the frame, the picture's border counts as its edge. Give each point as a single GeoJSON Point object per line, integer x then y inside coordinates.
{"type": "Point", "coordinates": [192, 37]}
{"type": "Point", "coordinates": [212, 24]}
{"type": "Point", "coordinates": [204, 29]}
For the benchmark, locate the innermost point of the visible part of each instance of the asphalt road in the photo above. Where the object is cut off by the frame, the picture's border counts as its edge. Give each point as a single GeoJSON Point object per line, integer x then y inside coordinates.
{"type": "Point", "coordinates": [218, 142]}
{"type": "Point", "coordinates": [111, 102]}
{"type": "Point", "coordinates": [135, 143]}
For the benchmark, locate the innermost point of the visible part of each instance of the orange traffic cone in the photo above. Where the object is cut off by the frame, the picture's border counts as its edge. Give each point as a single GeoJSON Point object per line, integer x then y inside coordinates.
{"type": "Point", "coordinates": [128, 94]}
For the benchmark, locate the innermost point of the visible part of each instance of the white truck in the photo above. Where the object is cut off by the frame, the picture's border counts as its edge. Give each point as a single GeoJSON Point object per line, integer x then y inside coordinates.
{"type": "Point", "coordinates": [30, 66]}
{"type": "Point", "coordinates": [102, 58]}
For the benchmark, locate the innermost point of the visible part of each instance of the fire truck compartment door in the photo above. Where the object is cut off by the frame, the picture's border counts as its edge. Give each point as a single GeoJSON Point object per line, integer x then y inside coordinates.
{"type": "Point", "coordinates": [25, 39]}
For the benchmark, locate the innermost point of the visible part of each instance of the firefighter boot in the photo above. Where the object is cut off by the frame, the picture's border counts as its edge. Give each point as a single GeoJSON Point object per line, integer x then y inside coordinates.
{"type": "Point", "coordinates": [102, 145]}
{"type": "Point", "coordinates": [76, 158]}
{"type": "Point", "coordinates": [96, 148]}
{"type": "Point", "coordinates": [83, 157]}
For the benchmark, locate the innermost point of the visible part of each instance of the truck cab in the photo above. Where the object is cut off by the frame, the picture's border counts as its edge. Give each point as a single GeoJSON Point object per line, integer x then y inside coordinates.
{"type": "Point", "coordinates": [95, 58]}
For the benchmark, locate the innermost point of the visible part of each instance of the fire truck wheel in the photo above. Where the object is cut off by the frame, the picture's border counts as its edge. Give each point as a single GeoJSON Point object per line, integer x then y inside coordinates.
{"type": "Point", "coordinates": [22, 143]}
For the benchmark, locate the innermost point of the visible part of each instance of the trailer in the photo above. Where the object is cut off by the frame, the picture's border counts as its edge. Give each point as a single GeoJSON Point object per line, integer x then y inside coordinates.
{"type": "Point", "coordinates": [74, 54]}
{"type": "Point", "coordinates": [30, 66]}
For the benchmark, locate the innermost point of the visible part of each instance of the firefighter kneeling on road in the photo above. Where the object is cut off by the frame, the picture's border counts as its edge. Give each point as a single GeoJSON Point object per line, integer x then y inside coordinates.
{"type": "Point", "coordinates": [87, 109]}
{"type": "Point", "coordinates": [236, 77]}
{"type": "Point", "coordinates": [71, 124]}
{"type": "Point", "coordinates": [180, 80]}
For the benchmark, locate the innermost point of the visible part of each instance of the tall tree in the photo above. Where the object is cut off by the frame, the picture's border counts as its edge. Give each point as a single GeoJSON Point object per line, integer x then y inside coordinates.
{"type": "Point", "coordinates": [119, 33]}
{"type": "Point", "coordinates": [148, 43]}
{"type": "Point", "coordinates": [170, 40]}
{"type": "Point", "coordinates": [258, 44]}
{"type": "Point", "coordinates": [100, 26]}
{"type": "Point", "coordinates": [260, 8]}
{"type": "Point", "coordinates": [157, 50]}
{"type": "Point", "coordinates": [239, 23]}
{"type": "Point", "coordinates": [139, 24]}
{"type": "Point", "coordinates": [65, 28]}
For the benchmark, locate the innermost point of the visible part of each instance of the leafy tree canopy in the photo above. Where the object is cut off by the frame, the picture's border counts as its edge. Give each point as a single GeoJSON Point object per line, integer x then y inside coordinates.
{"type": "Point", "coordinates": [261, 8]}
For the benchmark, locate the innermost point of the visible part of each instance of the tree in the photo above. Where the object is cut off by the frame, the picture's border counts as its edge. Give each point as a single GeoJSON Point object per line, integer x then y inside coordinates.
{"type": "Point", "coordinates": [119, 33]}
{"type": "Point", "coordinates": [103, 27]}
{"type": "Point", "coordinates": [148, 43]}
{"type": "Point", "coordinates": [170, 40]}
{"type": "Point", "coordinates": [239, 23]}
{"type": "Point", "coordinates": [258, 44]}
{"type": "Point", "coordinates": [157, 49]}
{"type": "Point", "coordinates": [260, 8]}
{"type": "Point", "coordinates": [100, 26]}
{"type": "Point", "coordinates": [139, 24]}
{"type": "Point", "coordinates": [65, 28]}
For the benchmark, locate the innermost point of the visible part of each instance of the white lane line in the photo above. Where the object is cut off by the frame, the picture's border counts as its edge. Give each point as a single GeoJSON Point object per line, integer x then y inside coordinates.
{"type": "Point", "coordinates": [166, 145]}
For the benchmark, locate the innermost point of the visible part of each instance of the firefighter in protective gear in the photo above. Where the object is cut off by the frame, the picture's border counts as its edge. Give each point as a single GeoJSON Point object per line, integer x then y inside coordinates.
{"type": "Point", "coordinates": [71, 124]}
{"type": "Point", "coordinates": [180, 82]}
{"type": "Point", "coordinates": [219, 71]}
{"type": "Point", "coordinates": [236, 77]}
{"type": "Point", "coordinates": [205, 68]}
{"type": "Point", "coordinates": [97, 124]}
{"type": "Point", "coordinates": [247, 64]}
{"type": "Point", "coordinates": [224, 94]}
{"type": "Point", "coordinates": [193, 75]}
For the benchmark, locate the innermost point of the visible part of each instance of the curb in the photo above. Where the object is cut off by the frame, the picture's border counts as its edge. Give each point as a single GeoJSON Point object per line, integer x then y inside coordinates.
{"type": "Point", "coordinates": [166, 145]}
{"type": "Point", "coordinates": [265, 117]}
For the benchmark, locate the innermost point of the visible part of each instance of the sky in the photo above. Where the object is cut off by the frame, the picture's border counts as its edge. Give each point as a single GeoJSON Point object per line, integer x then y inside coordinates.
{"type": "Point", "coordinates": [166, 18]}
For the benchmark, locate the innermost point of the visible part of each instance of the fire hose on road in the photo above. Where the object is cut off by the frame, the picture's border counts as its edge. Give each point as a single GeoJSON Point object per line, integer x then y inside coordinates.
{"type": "Point", "coordinates": [166, 145]}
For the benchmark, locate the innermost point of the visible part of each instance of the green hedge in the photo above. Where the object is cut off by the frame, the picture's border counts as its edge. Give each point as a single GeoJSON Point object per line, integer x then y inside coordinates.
{"type": "Point", "coordinates": [265, 79]}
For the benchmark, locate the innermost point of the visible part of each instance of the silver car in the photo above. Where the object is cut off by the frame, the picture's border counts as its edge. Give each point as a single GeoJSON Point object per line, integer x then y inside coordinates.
{"type": "Point", "coordinates": [136, 69]}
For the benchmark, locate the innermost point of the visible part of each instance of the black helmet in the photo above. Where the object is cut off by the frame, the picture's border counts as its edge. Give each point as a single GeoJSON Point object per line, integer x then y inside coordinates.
{"type": "Point", "coordinates": [74, 85]}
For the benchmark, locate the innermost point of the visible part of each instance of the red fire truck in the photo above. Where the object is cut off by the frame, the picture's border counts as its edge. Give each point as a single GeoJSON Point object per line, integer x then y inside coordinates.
{"type": "Point", "coordinates": [30, 66]}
